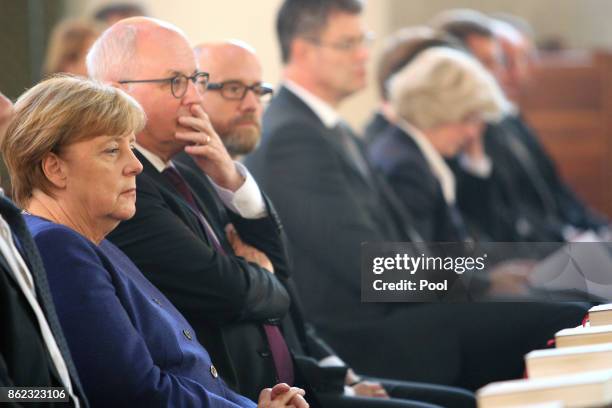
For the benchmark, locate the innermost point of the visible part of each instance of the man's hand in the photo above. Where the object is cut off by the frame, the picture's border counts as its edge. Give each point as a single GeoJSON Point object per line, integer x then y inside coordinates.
{"type": "Point", "coordinates": [364, 388]}
{"type": "Point", "coordinates": [246, 251]}
{"type": "Point", "coordinates": [370, 389]}
{"type": "Point", "coordinates": [207, 149]}
{"type": "Point", "coordinates": [474, 148]}
{"type": "Point", "coordinates": [511, 278]}
{"type": "Point", "coordinates": [281, 395]}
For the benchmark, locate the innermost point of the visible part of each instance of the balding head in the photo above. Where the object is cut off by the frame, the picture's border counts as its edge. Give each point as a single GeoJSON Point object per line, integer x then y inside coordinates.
{"type": "Point", "coordinates": [232, 65]}
{"type": "Point", "coordinates": [141, 55]}
{"type": "Point", "coordinates": [113, 56]}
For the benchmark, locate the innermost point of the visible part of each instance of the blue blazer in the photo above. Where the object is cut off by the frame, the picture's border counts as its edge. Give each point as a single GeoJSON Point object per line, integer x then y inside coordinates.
{"type": "Point", "coordinates": [130, 345]}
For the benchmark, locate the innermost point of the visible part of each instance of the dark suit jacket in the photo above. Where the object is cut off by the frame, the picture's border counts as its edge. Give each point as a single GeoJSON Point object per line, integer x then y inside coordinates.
{"type": "Point", "coordinates": [223, 296]}
{"type": "Point", "coordinates": [328, 210]}
{"type": "Point", "coordinates": [375, 127]}
{"type": "Point", "coordinates": [131, 346]}
{"type": "Point", "coordinates": [398, 156]}
{"type": "Point", "coordinates": [304, 343]}
{"type": "Point", "coordinates": [565, 205]}
{"type": "Point", "coordinates": [24, 358]}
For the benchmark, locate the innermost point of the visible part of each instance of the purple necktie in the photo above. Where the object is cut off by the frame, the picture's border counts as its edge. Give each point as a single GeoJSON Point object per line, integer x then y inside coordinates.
{"type": "Point", "coordinates": [278, 347]}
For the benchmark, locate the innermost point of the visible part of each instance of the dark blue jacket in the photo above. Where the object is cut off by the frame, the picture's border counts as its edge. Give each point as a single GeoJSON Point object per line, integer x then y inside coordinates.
{"type": "Point", "coordinates": [130, 345]}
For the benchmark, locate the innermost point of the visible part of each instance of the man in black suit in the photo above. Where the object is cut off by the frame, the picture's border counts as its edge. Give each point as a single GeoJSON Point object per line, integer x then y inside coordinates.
{"type": "Point", "coordinates": [330, 202]}
{"type": "Point", "coordinates": [544, 207]}
{"type": "Point", "coordinates": [33, 350]}
{"type": "Point", "coordinates": [225, 286]}
{"type": "Point", "coordinates": [234, 102]}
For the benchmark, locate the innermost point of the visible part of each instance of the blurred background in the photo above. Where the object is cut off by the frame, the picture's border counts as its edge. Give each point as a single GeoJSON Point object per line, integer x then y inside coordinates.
{"type": "Point", "coordinates": [572, 109]}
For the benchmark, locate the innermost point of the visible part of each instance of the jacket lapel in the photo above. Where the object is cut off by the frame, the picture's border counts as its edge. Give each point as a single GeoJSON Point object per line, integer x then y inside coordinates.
{"type": "Point", "coordinates": [168, 190]}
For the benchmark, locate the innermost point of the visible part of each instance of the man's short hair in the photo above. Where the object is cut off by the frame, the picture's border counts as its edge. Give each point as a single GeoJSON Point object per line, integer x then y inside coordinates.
{"type": "Point", "coordinates": [463, 23]}
{"type": "Point", "coordinates": [402, 47]}
{"type": "Point", "coordinates": [125, 9]}
{"type": "Point", "coordinates": [298, 18]}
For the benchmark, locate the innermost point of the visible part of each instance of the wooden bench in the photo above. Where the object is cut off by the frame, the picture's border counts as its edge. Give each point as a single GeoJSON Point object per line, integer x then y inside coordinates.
{"type": "Point", "coordinates": [569, 104]}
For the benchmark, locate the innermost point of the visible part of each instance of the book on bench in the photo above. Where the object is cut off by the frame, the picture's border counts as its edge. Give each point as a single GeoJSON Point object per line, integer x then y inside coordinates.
{"type": "Point", "coordinates": [569, 360]}
{"type": "Point", "coordinates": [583, 336]}
{"type": "Point", "coordinates": [591, 389]}
{"type": "Point", "coordinates": [601, 315]}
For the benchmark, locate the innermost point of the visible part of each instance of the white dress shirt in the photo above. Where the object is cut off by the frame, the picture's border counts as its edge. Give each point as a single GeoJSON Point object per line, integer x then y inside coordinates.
{"type": "Point", "coordinates": [247, 201]}
{"type": "Point", "coordinates": [24, 278]}
{"type": "Point", "coordinates": [326, 113]}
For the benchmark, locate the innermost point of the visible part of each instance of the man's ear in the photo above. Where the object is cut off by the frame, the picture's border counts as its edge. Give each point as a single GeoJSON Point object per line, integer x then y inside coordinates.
{"type": "Point", "coordinates": [54, 170]}
{"type": "Point", "coordinates": [300, 49]}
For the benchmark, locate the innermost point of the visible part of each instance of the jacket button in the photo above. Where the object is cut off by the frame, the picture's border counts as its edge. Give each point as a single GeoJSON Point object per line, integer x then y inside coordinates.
{"type": "Point", "coordinates": [187, 334]}
{"type": "Point", "coordinates": [213, 371]}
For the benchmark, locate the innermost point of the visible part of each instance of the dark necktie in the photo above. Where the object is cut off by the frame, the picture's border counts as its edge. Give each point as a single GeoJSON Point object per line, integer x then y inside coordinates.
{"type": "Point", "coordinates": [183, 189]}
{"type": "Point", "coordinates": [28, 248]}
{"type": "Point", "coordinates": [353, 151]}
{"type": "Point", "coordinates": [278, 347]}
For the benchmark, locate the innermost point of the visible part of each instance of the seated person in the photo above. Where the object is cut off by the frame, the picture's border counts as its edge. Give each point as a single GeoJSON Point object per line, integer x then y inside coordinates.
{"type": "Point", "coordinates": [77, 182]}
{"type": "Point", "coordinates": [440, 101]}
{"type": "Point", "coordinates": [540, 204]}
{"type": "Point", "coordinates": [33, 350]}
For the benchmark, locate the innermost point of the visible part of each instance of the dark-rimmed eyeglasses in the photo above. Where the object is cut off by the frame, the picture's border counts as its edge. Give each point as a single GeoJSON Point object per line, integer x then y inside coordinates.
{"type": "Point", "coordinates": [236, 90]}
{"type": "Point", "coordinates": [348, 45]}
{"type": "Point", "coordinates": [178, 83]}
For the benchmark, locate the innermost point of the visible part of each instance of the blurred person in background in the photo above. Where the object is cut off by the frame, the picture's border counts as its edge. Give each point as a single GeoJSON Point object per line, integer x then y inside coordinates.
{"type": "Point", "coordinates": [112, 12]}
{"type": "Point", "coordinates": [440, 100]}
{"type": "Point", "coordinates": [331, 201]}
{"type": "Point", "coordinates": [542, 206]}
{"type": "Point", "coordinates": [234, 101]}
{"type": "Point", "coordinates": [68, 46]}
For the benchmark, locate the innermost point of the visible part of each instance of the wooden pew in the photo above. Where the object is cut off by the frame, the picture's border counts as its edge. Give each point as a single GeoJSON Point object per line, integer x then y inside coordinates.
{"type": "Point", "coordinates": [569, 104]}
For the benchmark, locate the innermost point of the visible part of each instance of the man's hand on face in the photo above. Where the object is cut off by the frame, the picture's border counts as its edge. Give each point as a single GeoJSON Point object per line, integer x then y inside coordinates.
{"type": "Point", "coordinates": [246, 251]}
{"type": "Point", "coordinates": [207, 149]}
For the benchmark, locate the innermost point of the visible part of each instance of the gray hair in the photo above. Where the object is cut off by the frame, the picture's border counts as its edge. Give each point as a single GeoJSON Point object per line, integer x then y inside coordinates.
{"type": "Point", "coordinates": [113, 54]}
{"type": "Point", "coordinates": [441, 86]}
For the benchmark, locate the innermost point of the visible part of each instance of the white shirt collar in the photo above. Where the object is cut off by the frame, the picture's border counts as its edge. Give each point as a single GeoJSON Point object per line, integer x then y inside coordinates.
{"type": "Point", "coordinates": [154, 159]}
{"type": "Point", "coordinates": [326, 113]}
{"type": "Point", "coordinates": [436, 162]}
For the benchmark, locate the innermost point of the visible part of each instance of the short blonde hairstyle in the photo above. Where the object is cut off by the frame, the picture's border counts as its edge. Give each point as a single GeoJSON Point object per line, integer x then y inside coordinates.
{"type": "Point", "coordinates": [56, 113]}
{"type": "Point", "coordinates": [443, 86]}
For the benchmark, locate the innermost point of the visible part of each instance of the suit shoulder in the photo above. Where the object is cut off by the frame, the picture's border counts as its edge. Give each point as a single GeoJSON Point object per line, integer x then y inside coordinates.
{"type": "Point", "coordinates": [49, 235]}
{"type": "Point", "coordinates": [393, 150]}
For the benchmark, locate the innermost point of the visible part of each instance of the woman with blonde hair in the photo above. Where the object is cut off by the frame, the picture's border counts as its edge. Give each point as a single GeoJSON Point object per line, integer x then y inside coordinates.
{"type": "Point", "coordinates": [69, 153]}
{"type": "Point", "coordinates": [440, 102]}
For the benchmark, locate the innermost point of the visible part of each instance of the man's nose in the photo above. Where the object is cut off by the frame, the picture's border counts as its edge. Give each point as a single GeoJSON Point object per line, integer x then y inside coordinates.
{"type": "Point", "coordinates": [193, 94]}
{"type": "Point", "coordinates": [250, 101]}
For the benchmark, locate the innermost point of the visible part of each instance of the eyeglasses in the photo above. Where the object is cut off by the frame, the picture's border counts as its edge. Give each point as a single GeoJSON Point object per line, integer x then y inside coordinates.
{"type": "Point", "coordinates": [348, 45]}
{"type": "Point", "coordinates": [178, 83]}
{"type": "Point", "coordinates": [236, 90]}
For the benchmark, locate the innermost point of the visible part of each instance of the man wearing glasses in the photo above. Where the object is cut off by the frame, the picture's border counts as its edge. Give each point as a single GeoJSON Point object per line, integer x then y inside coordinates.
{"type": "Point", "coordinates": [234, 102]}
{"type": "Point", "coordinates": [331, 201]}
{"type": "Point", "coordinates": [224, 285]}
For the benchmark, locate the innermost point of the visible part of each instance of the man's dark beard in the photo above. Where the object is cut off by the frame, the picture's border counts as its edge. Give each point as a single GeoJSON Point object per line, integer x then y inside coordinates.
{"type": "Point", "coordinates": [242, 140]}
